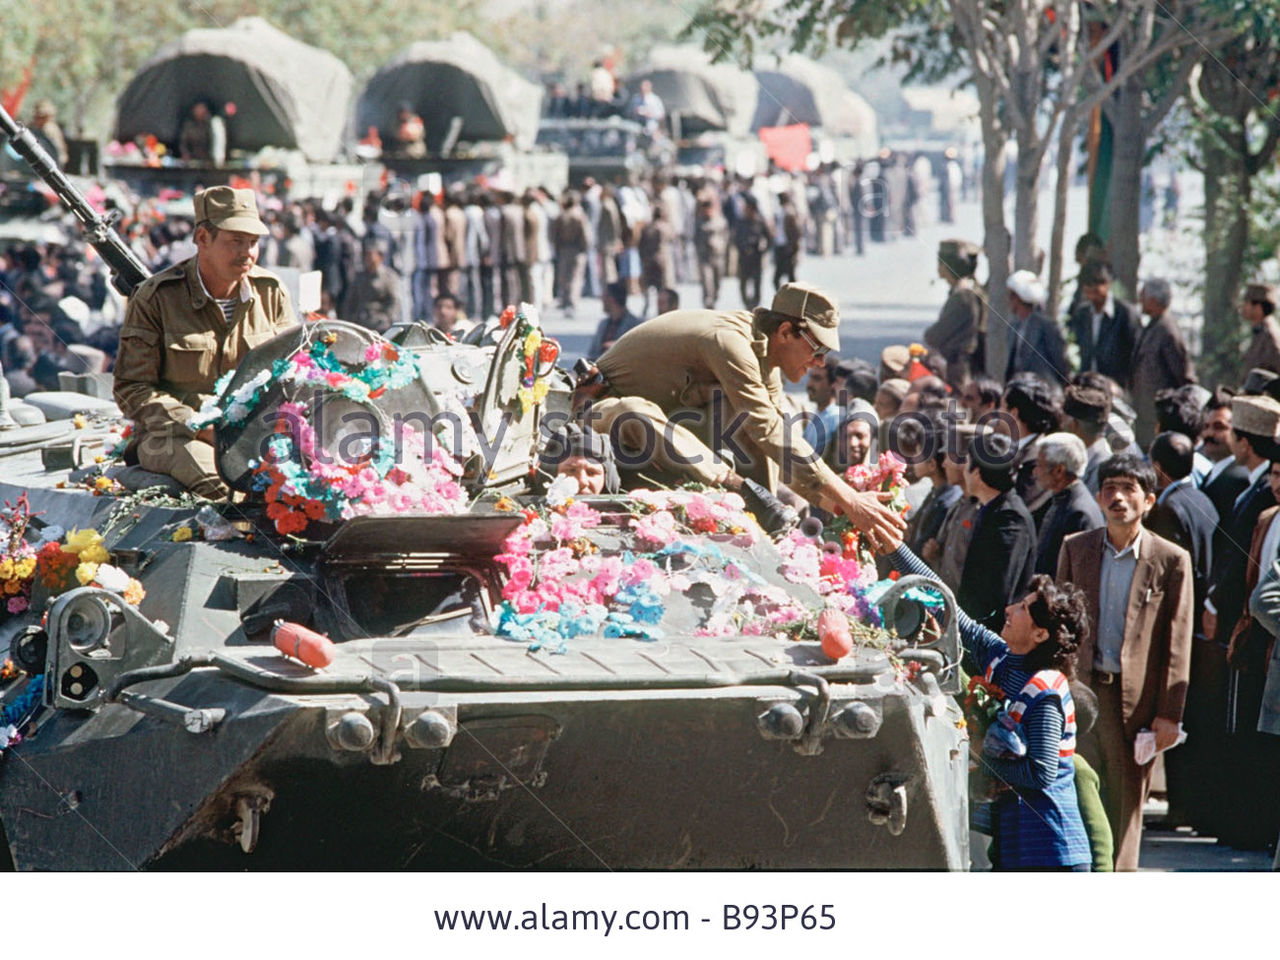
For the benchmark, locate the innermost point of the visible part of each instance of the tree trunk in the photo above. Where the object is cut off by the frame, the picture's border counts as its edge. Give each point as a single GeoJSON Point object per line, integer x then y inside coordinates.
{"type": "Point", "coordinates": [1226, 234]}
{"type": "Point", "coordinates": [1026, 208]}
{"type": "Point", "coordinates": [1125, 192]}
{"type": "Point", "coordinates": [1062, 186]}
{"type": "Point", "coordinates": [995, 240]}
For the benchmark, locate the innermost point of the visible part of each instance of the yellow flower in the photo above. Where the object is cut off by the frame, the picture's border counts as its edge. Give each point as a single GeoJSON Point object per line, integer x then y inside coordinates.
{"type": "Point", "coordinates": [540, 391]}
{"type": "Point", "coordinates": [79, 540]}
{"type": "Point", "coordinates": [95, 554]}
{"type": "Point", "coordinates": [102, 483]}
{"type": "Point", "coordinates": [86, 572]}
{"type": "Point", "coordinates": [79, 421]}
{"type": "Point", "coordinates": [532, 340]}
{"type": "Point", "coordinates": [182, 534]}
{"type": "Point", "coordinates": [25, 568]}
{"type": "Point", "coordinates": [505, 505]}
{"type": "Point", "coordinates": [6, 568]}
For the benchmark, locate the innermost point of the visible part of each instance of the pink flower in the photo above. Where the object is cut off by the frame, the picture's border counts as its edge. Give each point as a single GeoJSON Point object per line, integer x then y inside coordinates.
{"type": "Point", "coordinates": [657, 528]}
{"type": "Point", "coordinates": [17, 604]}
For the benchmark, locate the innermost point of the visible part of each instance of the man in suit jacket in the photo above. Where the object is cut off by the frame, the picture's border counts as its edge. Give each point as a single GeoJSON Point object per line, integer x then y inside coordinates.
{"type": "Point", "coordinates": [1104, 328]}
{"type": "Point", "coordinates": [1182, 514]}
{"type": "Point", "coordinates": [1160, 360]}
{"type": "Point", "coordinates": [998, 564]}
{"type": "Point", "coordinates": [1086, 410]}
{"type": "Point", "coordinates": [956, 333]}
{"type": "Point", "coordinates": [1032, 405]}
{"type": "Point", "coordinates": [1036, 344]}
{"type": "Point", "coordinates": [1224, 480]}
{"type": "Point", "coordinates": [1252, 756]}
{"type": "Point", "coordinates": [1060, 460]}
{"type": "Point", "coordinates": [1185, 516]}
{"type": "Point", "coordinates": [1258, 308]}
{"type": "Point", "coordinates": [1137, 659]}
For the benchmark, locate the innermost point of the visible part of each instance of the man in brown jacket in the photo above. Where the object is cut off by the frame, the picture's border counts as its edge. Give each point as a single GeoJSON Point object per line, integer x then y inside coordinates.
{"type": "Point", "coordinates": [1137, 658]}
{"type": "Point", "coordinates": [187, 326]}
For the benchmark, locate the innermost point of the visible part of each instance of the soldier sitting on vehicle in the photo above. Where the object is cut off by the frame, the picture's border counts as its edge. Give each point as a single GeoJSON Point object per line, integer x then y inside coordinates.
{"type": "Point", "coordinates": [187, 326]}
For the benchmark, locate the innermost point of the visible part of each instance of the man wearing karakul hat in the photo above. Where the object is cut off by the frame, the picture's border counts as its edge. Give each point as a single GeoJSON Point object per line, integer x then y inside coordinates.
{"type": "Point", "coordinates": [1036, 344]}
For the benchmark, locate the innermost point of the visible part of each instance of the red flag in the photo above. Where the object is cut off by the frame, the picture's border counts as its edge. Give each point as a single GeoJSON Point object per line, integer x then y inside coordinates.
{"type": "Point", "coordinates": [12, 99]}
{"type": "Point", "coordinates": [789, 147]}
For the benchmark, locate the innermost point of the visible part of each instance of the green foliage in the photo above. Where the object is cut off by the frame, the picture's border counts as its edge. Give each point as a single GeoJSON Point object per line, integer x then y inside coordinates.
{"type": "Point", "coordinates": [745, 29]}
{"type": "Point", "coordinates": [85, 51]}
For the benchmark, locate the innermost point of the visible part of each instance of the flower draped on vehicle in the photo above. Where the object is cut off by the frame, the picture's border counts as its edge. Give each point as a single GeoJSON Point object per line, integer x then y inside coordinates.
{"type": "Point", "coordinates": [559, 587]}
{"type": "Point", "coordinates": [303, 483]}
{"type": "Point", "coordinates": [315, 364]}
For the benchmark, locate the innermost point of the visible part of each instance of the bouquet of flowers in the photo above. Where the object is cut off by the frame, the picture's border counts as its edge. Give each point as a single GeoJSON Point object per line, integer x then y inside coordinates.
{"type": "Point", "coordinates": [17, 557]}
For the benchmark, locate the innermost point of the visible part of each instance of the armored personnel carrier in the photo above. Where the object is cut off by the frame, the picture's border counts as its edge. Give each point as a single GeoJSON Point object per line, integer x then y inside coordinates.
{"type": "Point", "coordinates": [508, 680]}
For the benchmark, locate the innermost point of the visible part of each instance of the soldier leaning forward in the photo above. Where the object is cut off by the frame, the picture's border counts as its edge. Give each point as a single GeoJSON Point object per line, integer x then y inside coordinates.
{"type": "Point", "coordinates": [187, 326]}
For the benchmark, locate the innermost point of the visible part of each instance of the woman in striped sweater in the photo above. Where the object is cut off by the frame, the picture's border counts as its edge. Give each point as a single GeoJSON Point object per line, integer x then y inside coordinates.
{"type": "Point", "coordinates": [1035, 818]}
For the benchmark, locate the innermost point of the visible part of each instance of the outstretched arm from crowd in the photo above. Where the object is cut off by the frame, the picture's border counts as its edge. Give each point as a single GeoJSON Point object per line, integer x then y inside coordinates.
{"type": "Point", "coordinates": [982, 644]}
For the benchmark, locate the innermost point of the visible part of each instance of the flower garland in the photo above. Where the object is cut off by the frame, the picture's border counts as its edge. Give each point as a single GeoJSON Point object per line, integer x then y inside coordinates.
{"type": "Point", "coordinates": [560, 587]}
{"type": "Point", "coordinates": [535, 351]}
{"type": "Point", "coordinates": [326, 489]}
{"type": "Point", "coordinates": [315, 364]}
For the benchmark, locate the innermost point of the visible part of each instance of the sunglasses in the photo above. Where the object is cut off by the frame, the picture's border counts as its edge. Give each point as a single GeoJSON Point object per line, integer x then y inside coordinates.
{"type": "Point", "coordinates": [819, 351]}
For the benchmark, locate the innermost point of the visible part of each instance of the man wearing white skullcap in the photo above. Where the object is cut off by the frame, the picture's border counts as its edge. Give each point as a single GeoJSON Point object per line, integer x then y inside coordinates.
{"type": "Point", "coordinates": [1036, 344]}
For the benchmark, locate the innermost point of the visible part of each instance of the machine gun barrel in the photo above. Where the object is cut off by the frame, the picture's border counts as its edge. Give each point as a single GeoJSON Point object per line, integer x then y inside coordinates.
{"type": "Point", "coordinates": [127, 271]}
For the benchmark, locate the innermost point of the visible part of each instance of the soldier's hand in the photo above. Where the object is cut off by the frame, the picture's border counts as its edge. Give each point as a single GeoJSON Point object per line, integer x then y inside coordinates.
{"type": "Point", "coordinates": [880, 525]}
{"type": "Point", "coordinates": [206, 435]}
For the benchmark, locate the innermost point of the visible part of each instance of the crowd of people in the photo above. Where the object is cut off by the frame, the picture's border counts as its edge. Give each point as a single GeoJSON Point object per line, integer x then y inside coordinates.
{"type": "Point", "coordinates": [1093, 463]}
{"type": "Point", "coordinates": [1087, 489]}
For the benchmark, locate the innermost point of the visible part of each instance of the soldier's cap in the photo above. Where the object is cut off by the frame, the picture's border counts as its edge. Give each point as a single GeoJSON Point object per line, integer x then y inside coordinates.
{"type": "Point", "coordinates": [817, 311]}
{"type": "Point", "coordinates": [1259, 416]}
{"type": "Point", "coordinates": [1257, 380]}
{"type": "Point", "coordinates": [230, 209]}
{"type": "Point", "coordinates": [894, 360]}
{"type": "Point", "coordinates": [1262, 293]}
{"type": "Point", "coordinates": [1087, 404]}
{"type": "Point", "coordinates": [1026, 286]}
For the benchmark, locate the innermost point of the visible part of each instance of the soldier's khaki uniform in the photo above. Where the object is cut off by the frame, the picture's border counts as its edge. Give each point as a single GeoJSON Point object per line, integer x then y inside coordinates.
{"type": "Point", "coordinates": [680, 360]}
{"type": "Point", "coordinates": [174, 345]}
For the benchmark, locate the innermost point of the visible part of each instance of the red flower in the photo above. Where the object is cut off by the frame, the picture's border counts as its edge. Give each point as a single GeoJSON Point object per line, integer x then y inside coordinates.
{"type": "Point", "coordinates": [508, 315]}
{"type": "Point", "coordinates": [967, 524]}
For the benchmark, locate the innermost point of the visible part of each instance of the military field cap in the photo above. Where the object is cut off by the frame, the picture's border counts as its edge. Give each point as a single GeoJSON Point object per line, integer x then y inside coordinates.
{"type": "Point", "coordinates": [1257, 380]}
{"type": "Point", "coordinates": [1026, 286]}
{"type": "Point", "coordinates": [1088, 404]}
{"type": "Point", "coordinates": [1262, 293]}
{"type": "Point", "coordinates": [1259, 416]}
{"type": "Point", "coordinates": [894, 360]}
{"type": "Point", "coordinates": [819, 312]}
{"type": "Point", "coordinates": [229, 209]}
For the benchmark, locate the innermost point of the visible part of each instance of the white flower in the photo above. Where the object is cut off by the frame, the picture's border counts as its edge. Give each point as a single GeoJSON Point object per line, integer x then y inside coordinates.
{"type": "Point", "coordinates": [561, 489]}
{"type": "Point", "coordinates": [111, 578]}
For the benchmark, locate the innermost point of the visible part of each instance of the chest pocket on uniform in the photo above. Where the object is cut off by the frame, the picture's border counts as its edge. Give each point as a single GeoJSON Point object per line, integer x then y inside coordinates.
{"type": "Point", "coordinates": [192, 359]}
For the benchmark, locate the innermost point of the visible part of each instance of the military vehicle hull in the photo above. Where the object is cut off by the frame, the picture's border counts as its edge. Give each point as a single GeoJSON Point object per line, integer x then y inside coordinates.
{"type": "Point", "coordinates": [619, 753]}
{"type": "Point", "coordinates": [540, 778]}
